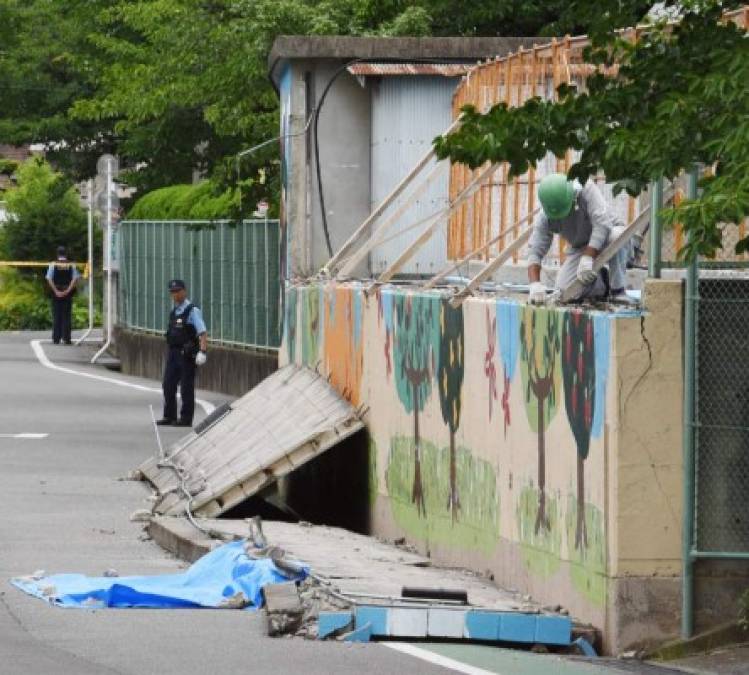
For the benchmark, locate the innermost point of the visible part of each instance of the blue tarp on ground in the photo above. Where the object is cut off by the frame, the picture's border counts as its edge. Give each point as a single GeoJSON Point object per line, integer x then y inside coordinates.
{"type": "Point", "coordinates": [210, 582]}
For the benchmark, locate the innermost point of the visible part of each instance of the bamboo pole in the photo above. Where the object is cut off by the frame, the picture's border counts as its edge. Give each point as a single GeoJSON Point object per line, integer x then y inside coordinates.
{"type": "Point", "coordinates": [452, 268]}
{"type": "Point", "coordinates": [489, 187]}
{"type": "Point", "coordinates": [505, 170]}
{"type": "Point", "coordinates": [391, 197]}
{"type": "Point", "coordinates": [555, 84]}
{"type": "Point", "coordinates": [516, 194]}
{"type": "Point", "coordinates": [404, 257]}
{"type": "Point", "coordinates": [576, 287]}
{"type": "Point", "coordinates": [678, 231]}
{"type": "Point", "coordinates": [532, 170]}
{"type": "Point", "coordinates": [489, 268]}
{"type": "Point", "coordinates": [371, 243]}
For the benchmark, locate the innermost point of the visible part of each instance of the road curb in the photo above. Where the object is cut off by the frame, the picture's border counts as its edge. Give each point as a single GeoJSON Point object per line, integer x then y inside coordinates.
{"type": "Point", "coordinates": [180, 538]}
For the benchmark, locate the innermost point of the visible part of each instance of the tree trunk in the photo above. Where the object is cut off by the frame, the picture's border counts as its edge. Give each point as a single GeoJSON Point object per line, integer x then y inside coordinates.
{"type": "Point", "coordinates": [417, 494]}
{"type": "Point", "coordinates": [541, 519]}
{"type": "Point", "coordinates": [581, 531]}
{"type": "Point", "coordinates": [453, 498]}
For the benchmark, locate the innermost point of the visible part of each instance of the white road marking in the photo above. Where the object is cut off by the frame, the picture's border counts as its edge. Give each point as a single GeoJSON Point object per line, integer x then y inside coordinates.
{"type": "Point", "coordinates": [436, 659]}
{"type": "Point", "coordinates": [39, 351]}
{"type": "Point", "coordinates": [25, 435]}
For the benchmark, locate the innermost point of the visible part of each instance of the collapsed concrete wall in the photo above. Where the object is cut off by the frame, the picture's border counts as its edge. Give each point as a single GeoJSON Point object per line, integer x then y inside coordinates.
{"type": "Point", "coordinates": [540, 445]}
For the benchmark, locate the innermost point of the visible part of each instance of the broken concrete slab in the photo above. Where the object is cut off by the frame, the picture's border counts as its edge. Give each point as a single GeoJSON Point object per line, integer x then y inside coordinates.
{"type": "Point", "coordinates": [288, 419]}
{"type": "Point", "coordinates": [282, 598]}
{"type": "Point", "coordinates": [283, 608]}
{"type": "Point", "coordinates": [356, 581]}
{"type": "Point", "coordinates": [357, 565]}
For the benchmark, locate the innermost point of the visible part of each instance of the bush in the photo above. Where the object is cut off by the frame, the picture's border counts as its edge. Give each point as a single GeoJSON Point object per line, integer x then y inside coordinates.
{"type": "Point", "coordinates": [24, 304]}
{"type": "Point", "coordinates": [201, 201]}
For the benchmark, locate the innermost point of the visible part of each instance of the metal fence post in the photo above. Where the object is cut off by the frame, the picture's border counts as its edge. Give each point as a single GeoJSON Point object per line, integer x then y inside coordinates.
{"type": "Point", "coordinates": [690, 373]}
{"type": "Point", "coordinates": [656, 235]}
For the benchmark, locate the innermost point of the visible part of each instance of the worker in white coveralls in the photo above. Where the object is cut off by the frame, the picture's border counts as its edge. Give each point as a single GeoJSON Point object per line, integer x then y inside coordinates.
{"type": "Point", "coordinates": [580, 215]}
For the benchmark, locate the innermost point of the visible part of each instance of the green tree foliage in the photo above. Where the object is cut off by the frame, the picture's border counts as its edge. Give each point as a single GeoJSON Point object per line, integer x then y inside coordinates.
{"type": "Point", "coordinates": [539, 357]}
{"type": "Point", "coordinates": [579, 377]}
{"type": "Point", "coordinates": [44, 213]}
{"type": "Point", "coordinates": [679, 99]}
{"type": "Point", "coordinates": [199, 201]}
{"type": "Point", "coordinates": [415, 334]}
{"type": "Point", "coordinates": [450, 371]}
{"type": "Point", "coordinates": [46, 64]}
{"type": "Point", "coordinates": [174, 86]}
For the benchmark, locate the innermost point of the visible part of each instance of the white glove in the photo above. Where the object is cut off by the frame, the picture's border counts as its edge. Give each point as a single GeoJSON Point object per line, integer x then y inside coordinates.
{"type": "Point", "coordinates": [537, 293]}
{"type": "Point", "coordinates": [585, 273]}
{"type": "Point", "coordinates": [616, 232]}
{"type": "Point", "coordinates": [200, 358]}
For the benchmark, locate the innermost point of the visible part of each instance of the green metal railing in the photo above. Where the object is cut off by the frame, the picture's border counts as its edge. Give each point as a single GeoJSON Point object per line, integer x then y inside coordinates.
{"type": "Point", "coordinates": [232, 271]}
{"type": "Point", "coordinates": [716, 402]}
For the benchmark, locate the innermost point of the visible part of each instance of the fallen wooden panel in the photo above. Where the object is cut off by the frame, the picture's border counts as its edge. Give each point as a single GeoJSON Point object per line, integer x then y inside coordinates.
{"type": "Point", "coordinates": [288, 419]}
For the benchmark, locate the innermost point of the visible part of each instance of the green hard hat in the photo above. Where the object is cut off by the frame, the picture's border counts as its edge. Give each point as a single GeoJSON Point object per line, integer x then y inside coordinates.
{"type": "Point", "coordinates": [556, 195]}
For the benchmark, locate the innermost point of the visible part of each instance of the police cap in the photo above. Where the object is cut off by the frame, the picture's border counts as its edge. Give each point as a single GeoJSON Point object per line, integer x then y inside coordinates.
{"type": "Point", "coordinates": [176, 285]}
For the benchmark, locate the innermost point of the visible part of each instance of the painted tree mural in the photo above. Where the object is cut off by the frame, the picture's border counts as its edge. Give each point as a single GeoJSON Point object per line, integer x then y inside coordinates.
{"type": "Point", "coordinates": [490, 369]}
{"type": "Point", "coordinates": [385, 313]}
{"type": "Point", "coordinates": [415, 332]}
{"type": "Point", "coordinates": [343, 348]}
{"type": "Point", "coordinates": [290, 324]}
{"type": "Point", "coordinates": [539, 351]}
{"type": "Point", "coordinates": [450, 384]}
{"type": "Point", "coordinates": [579, 376]}
{"type": "Point", "coordinates": [311, 325]}
{"type": "Point", "coordinates": [508, 336]}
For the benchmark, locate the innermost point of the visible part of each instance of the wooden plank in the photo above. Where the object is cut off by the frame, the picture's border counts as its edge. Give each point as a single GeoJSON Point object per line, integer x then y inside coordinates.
{"type": "Point", "coordinates": [404, 257]}
{"type": "Point", "coordinates": [373, 241]}
{"type": "Point", "coordinates": [438, 277]}
{"type": "Point", "coordinates": [576, 287]}
{"type": "Point", "coordinates": [489, 268]}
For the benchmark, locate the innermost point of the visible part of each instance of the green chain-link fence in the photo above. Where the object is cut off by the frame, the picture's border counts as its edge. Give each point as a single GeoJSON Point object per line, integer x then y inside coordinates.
{"type": "Point", "coordinates": [721, 412]}
{"type": "Point", "coordinates": [232, 272]}
{"type": "Point", "coordinates": [716, 395]}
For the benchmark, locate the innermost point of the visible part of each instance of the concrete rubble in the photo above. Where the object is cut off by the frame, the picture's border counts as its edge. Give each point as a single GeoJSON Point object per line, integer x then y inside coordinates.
{"type": "Point", "coordinates": [347, 569]}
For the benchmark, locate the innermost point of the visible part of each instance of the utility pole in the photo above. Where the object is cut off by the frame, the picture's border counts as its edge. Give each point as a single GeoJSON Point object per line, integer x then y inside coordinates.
{"type": "Point", "coordinates": [107, 201]}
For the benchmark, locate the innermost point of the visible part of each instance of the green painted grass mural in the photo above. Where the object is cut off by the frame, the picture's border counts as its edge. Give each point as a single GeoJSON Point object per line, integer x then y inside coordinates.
{"type": "Point", "coordinates": [588, 569]}
{"type": "Point", "coordinates": [372, 472]}
{"type": "Point", "coordinates": [541, 546]}
{"type": "Point", "coordinates": [311, 325]}
{"type": "Point", "coordinates": [478, 526]}
{"type": "Point", "coordinates": [290, 324]}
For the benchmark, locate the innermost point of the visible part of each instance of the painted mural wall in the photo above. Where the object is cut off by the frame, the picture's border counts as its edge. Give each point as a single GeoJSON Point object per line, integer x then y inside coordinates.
{"type": "Point", "coordinates": [487, 422]}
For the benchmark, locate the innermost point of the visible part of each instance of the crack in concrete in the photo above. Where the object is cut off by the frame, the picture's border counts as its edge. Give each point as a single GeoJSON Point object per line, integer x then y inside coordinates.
{"type": "Point", "coordinates": [647, 369]}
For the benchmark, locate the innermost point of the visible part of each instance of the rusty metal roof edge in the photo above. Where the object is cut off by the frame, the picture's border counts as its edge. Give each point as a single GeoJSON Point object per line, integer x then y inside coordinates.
{"type": "Point", "coordinates": [379, 69]}
{"type": "Point", "coordinates": [345, 48]}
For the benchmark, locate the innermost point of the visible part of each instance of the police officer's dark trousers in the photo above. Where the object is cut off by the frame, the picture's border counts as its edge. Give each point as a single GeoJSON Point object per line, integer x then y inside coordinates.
{"type": "Point", "coordinates": [180, 371]}
{"type": "Point", "coordinates": [61, 318]}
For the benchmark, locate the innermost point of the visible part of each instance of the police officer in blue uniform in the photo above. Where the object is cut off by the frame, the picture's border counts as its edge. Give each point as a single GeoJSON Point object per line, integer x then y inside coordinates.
{"type": "Point", "coordinates": [62, 277]}
{"type": "Point", "coordinates": [187, 341]}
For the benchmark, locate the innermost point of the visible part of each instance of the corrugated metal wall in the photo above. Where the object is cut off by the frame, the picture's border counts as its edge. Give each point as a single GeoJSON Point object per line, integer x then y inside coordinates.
{"type": "Point", "coordinates": [407, 113]}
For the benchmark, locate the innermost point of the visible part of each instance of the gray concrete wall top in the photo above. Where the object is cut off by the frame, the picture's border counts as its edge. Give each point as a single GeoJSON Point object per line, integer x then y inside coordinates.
{"type": "Point", "coordinates": [289, 47]}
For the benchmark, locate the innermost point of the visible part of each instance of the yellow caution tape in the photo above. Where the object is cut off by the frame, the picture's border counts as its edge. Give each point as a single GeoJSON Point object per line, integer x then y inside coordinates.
{"type": "Point", "coordinates": [28, 263]}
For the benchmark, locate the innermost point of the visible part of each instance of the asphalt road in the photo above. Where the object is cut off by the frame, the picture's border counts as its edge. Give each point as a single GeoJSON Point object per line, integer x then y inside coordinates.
{"type": "Point", "coordinates": [66, 509]}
